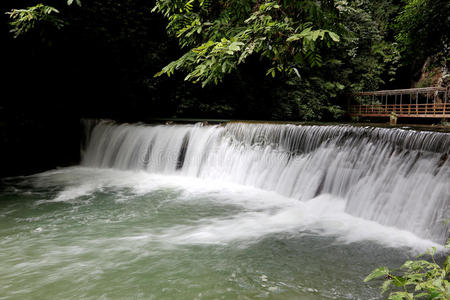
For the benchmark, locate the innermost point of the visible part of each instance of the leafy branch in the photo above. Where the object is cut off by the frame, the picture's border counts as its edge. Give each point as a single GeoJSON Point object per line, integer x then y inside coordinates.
{"type": "Point", "coordinates": [28, 19]}
{"type": "Point", "coordinates": [25, 20]}
{"type": "Point", "coordinates": [222, 36]}
{"type": "Point", "coordinates": [416, 279]}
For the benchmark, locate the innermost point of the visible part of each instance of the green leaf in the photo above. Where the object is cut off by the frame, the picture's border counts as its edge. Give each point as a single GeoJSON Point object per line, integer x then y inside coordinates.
{"type": "Point", "coordinates": [340, 86]}
{"type": "Point", "coordinates": [401, 296]}
{"type": "Point", "coordinates": [70, 2]}
{"type": "Point", "coordinates": [235, 46]}
{"type": "Point", "coordinates": [386, 285]}
{"type": "Point", "coordinates": [399, 281]}
{"type": "Point", "coordinates": [381, 271]}
{"type": "Point", "coordinates": [334, 36]}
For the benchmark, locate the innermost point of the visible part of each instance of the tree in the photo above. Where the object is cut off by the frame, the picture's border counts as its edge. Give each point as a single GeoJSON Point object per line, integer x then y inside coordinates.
{"type": "Point", "coordinates": [220, 35]}
{"type": "Point", "coordinates": [309, 53]}
{"type": "Point", "coordinates": [423, 29]}
{"type": "Point", "coordinates": [317, 47]}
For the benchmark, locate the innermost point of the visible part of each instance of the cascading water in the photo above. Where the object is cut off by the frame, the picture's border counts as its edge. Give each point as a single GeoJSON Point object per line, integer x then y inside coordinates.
{"type": "Point", "coordinates": [236, 211]}
{"type": "Point", "coordinates": [395, 177]}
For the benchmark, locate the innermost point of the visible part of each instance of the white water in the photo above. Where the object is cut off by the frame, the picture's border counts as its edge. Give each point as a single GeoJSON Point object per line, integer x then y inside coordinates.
{"type": "Point", "coordinates": [394, 177]}
{"type": "Point", "coordinates": [258, 213]}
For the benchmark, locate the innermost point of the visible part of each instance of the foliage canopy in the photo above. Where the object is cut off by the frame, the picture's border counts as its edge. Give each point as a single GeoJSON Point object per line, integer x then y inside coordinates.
{"type": "Point", "coordinates": [309, 52]}
{"type": "Point", "coordinates": [220, 35]}
{"type": "Point", "coordinates": [423, 29]}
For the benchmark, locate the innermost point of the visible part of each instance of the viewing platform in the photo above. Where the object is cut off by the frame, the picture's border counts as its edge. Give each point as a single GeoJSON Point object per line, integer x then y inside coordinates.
{"type": "Point", "coordinates": [429, 102]}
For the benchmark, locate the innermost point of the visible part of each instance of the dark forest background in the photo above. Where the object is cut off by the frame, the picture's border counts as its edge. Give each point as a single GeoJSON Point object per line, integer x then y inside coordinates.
{"type": "Point", "coordinates": [101, 64]}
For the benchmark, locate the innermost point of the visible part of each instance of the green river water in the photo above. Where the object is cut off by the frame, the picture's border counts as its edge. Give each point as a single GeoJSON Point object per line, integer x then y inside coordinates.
{"type": "Point", "coordinates": [81, 233]}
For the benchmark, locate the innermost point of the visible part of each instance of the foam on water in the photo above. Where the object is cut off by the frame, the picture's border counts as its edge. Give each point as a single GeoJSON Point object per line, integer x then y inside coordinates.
{"type": "Point", "coordinates": [96, 233]}
{"type": "Point", "coordinates": [259, 212]}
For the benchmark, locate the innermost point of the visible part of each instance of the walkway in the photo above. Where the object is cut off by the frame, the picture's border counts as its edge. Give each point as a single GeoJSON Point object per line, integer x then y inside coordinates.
{"type": "Point", "coordinates": [430, 102]}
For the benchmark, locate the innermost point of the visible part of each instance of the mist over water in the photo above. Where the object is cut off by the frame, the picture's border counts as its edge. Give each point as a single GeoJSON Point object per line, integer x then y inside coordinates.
{"type": "Point", "coordinates": [240, 211]}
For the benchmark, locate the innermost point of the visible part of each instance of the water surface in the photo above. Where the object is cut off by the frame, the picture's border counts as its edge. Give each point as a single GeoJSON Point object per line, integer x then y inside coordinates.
{"type": "Point", "coordinates": [107, 234]}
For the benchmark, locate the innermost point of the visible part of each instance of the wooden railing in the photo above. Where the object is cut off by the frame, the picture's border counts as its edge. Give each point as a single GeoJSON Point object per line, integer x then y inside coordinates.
{"type": "Point", "coordinates": [429, 110]}
{"type": "Point", "coordinates": [425, 90]}
{"type": "Point", "coordinates": [429, 102]}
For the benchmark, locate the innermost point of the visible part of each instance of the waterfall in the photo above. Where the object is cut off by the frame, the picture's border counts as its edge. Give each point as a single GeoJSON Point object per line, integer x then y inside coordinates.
{"type": "Point", "coordinates": [395, 177]}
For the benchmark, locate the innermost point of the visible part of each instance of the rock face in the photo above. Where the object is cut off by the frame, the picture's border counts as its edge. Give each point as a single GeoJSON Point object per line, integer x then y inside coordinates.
{"type": "Point", "coordinates": [433, 74]}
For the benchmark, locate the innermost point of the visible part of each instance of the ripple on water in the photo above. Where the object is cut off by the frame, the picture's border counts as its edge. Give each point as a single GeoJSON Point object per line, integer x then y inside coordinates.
{"type": "Point", "coordinates": [119, 235]}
